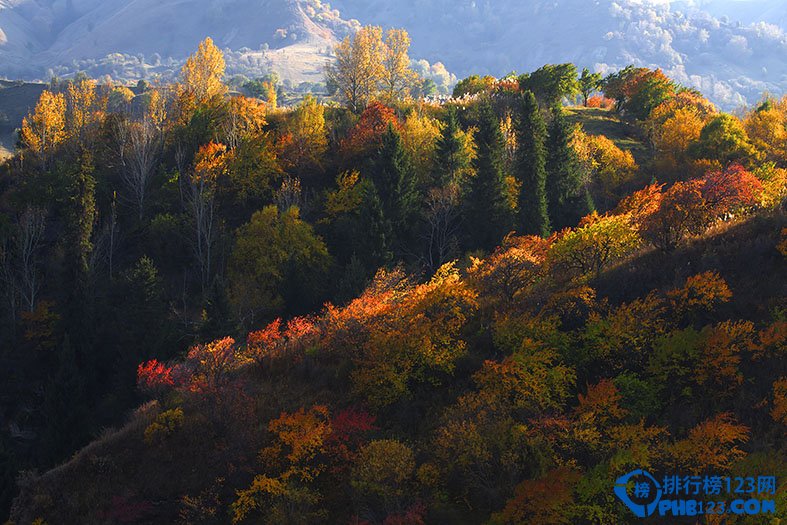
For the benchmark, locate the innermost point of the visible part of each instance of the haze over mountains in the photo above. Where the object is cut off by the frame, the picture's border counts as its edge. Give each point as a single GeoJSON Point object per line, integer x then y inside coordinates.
{"type": "Point", "coordinates": [699, 43]}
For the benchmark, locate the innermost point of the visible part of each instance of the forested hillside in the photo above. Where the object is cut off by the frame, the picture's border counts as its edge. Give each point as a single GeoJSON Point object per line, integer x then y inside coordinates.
{"type": "Point", "coordinates": [380, 309]}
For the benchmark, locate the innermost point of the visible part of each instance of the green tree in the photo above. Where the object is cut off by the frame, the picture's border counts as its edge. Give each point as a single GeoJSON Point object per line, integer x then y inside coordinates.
{"type": "Point", "coordinates": [273, 253]}
{"type": "Point", "coordinates": [394, 179]}
{"type": "Point", "coordinates": [65, 407]}
{"type": "Point", "coordinates": [567, 194]}
{"type": "Point", "coordinates": [551, 83]}
{"type": "Point", "coordinates": [531, 168]}
{"type": "Point", "coordinates": [486, 210]}
{"type": "Point", "coordinates": [723, 139]}
{"type": "Point", "coordinates": [451, 153]}
{"type": "Point", "coordinates": [374, 229]}
{"type": "Point", "coordinates": [588, 83]}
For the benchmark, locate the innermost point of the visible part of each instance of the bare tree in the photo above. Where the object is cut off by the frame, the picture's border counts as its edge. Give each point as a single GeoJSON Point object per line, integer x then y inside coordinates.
{"type": "Point", "coordinates": [105, 243]}
{"type": "Point", "coordinates": [442, 219]}
{"type": "Point", "coordinates": [144, 144]}
{"type": "Point", "coordinates": [290, 193]}
{"type": "Point", "coordinates": [25, 256]}
{"type": "Point", "coordinates": [202, 203]}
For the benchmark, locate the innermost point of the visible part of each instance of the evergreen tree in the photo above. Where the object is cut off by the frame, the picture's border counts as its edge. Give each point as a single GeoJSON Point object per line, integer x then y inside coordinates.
{"type": "Point", "coordinates": [373, 231]}
{"type": "Point", "coordinates": [80, 209]}
{"type": "Point", "coordinates": [567, 197]}
{"type": "Point", "coordinates": [531, 168]}
{"type": "Point", "coordinates": [8, 471]}
{"type": "Point", "coordinates": [486, 211]}
{"type": "Point", "coordinates": [394, 180]}
{"type": "Point", "coordinates": [65, 408]}
{"type": "Point", "coordinates": [450, 155]}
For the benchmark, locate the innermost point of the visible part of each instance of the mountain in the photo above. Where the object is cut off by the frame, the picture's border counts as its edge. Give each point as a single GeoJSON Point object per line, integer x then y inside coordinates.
{"type": "Point", "coordinates": [132, 39]}
{"type": "Point", "coordinates": [731, 62]}
{"type": "Point", "coordinates": [698, 42]}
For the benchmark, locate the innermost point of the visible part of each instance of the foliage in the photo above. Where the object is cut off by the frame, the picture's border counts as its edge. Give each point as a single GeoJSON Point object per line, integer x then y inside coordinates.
{"type": "Point", "coordinates": [531, 169]}
{"type": "Point", "coordinates": [551, 83]}
{"type": "Point", "coordinates": [44, 128]}
{"type": "Point", "coordinates": [594, 245]}
{"type": "Point", "coordinates": [165, 424]}
{"type": "Point", "coordinates": [276, 248]}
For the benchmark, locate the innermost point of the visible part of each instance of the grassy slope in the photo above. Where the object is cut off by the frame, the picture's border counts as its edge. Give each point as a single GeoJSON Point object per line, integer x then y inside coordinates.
{"type": "Point", "coordinates": [121, 463]}
{"type": "Point", "coordinates": [597, 121]}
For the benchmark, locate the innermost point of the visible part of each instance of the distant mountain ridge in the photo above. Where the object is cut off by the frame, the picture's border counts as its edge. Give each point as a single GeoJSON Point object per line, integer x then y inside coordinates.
{"type": "Point", "coordinates": [129, 38]}
{"type": "Point", "coordinates": [731, 62]}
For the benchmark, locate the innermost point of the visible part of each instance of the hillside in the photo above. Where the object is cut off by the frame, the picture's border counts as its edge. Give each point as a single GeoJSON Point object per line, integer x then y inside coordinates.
{"type": "Point", "coordinates": [193, 471]}
{"type": "Point", "coordinates": [387, 309]}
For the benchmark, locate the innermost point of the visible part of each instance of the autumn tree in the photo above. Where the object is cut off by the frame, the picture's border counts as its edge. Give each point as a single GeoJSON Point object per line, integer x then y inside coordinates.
{"type": "Point", "coordinates": [358, 69]}
{"type": "Point", "coordinates": [675, 135]}
{"type": "Point", "coordinates": [244, 120]}
{"type": "Point", "coordinates": [605, 167]}
{"type": "Point", "coordinates": [713, 444]}
{"type": "Point", "coordinates": [531, 168]}
{"type": "Point", "coordinates": [45, 127]}
{"type": "Point", "coordinates": [681, 211]}
{"type": "Point", "coordinates": [730, 190]}
{"type": "Point", "coordinates": [596, 243]}
{"type": "Point", "coordinates": [383, 475]}
{"type": "Point", "coordinates": [545, 500]}
{"type": "Point", "coordinates": [724, 140]}
{"type": "Point", "coordinates": [286, 491]}
{"type": "Point", "coordinates": [308, 136]}
{"type": "Point", "coordinates": [366, 136]}
{"type": "Point", "coordinates": [510, 270]}
{"type": "Point", "coordinates": [209, 165]}
{"type": "Point", "coordinates": [419, 344]}
{"type": "Point", "coordinates": [201, 78]}
{"type": "Point", "coordinates": [82, 106]}
{"type": "Point", "coordinates": [779, 411]}
{"type": "Point", "coordinates": [397, 77]}
{"type": "Point", "coordinates": [766, 127]}
{"type": "Point", "coordinates": [701, 293]}
{"type": "Point", "coordinates": [474, 85]}
{"type": "Point", "coordinates": [420, 134]}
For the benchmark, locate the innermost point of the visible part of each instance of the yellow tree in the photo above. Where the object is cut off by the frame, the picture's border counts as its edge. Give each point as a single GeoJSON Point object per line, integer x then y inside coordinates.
{"type": "Point", "coordinates": [201, 76]}
{"type": "Point", "coordinates": [767, 129]}
{"type": "Point", "coordinates": [358, 68]}
{"type": "Point", "coordinates": [308, 136]}
{"type": "Point", "coordinates": [397, 77]}
{"type": "Point", "coordinates": [678, 131]}
{"type": "Point", "coordinates": [209, 165]}
{"type": "Point", "coordinates": [607, 166]}
{"type": "Point", "coordinates": [419, 136]}
{"type": "Point", "coordinates": [82, 106]}
{"type": "Point", "coordinates": [594, 244]}
{"type": "Point", "coordinates": [44, 128]}
{"type": "Point", "coordinates": [245, 120]}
